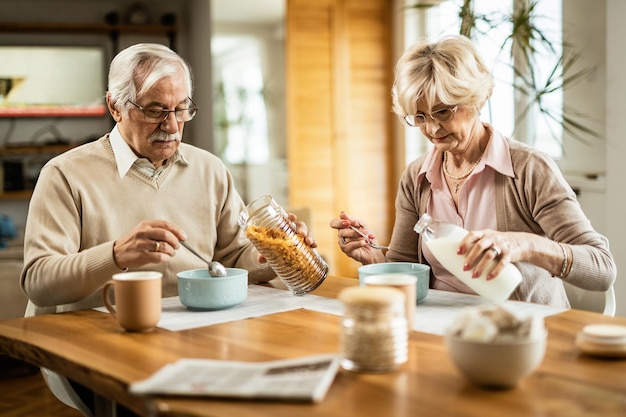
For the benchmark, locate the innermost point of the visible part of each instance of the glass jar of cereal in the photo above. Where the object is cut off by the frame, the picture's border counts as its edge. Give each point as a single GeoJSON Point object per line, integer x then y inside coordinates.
{"type": "Point", "coordinates": [267, 225]}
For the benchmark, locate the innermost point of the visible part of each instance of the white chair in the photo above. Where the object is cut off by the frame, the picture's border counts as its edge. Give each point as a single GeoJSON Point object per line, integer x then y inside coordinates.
{"type": "Point", "coordinates": [61, 388]}
{"type": "Point", "coordinates": [597, 301]}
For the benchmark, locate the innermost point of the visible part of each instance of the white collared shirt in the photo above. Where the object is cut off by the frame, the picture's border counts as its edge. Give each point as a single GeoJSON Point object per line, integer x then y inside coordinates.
{"type": "Point", "coordinates": [125, 158]}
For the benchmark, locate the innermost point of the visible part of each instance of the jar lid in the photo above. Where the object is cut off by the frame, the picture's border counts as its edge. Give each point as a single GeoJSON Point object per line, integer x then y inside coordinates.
{"type": "Point", "coordinates": [603, 339]}
{"type": "Point", "coordinates": [376, 297]}
{"type": "Point", "coordinates": [605, 333]}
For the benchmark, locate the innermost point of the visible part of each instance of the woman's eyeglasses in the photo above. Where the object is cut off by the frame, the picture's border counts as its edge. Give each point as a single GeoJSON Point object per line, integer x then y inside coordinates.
{"type": "Point", "coordinates": [439, 116]}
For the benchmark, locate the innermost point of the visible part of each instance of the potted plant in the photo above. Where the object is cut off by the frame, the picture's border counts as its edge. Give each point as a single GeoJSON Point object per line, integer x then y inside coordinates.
{"type": "Point", "coordinates": [523, 42]}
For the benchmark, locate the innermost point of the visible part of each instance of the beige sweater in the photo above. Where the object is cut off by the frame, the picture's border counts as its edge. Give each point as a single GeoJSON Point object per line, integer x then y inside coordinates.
{"type": "Point", "coordinates": [538, 200]}
{"type": "Point", "coordinates": [81, 205]}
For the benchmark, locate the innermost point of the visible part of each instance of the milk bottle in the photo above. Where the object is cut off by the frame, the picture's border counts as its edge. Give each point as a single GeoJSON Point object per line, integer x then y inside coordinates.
{"type": "Point", "coordinates": [443, 240]}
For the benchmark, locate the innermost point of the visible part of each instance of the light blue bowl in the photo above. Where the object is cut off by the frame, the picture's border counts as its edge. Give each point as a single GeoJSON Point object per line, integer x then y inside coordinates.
{"type": "Point", "coordinates": [421, 271]}
{"type": "Point", "coordinates": [198, 290]}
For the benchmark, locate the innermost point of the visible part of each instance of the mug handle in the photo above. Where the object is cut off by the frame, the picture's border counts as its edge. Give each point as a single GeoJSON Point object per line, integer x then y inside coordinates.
{"type": "Point", "coordinates": [107, 299]}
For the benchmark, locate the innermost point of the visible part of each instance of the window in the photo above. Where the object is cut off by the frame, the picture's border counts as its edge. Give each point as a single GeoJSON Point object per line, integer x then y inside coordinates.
{"type": "Point", "coordinates": [241, 120]}
{"type": "Point", "coordinates": [541, 129]}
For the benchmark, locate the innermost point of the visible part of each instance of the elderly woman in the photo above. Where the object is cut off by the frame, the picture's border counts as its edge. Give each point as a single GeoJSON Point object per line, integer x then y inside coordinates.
{"type": "Point", "coordinates": [513, 199]}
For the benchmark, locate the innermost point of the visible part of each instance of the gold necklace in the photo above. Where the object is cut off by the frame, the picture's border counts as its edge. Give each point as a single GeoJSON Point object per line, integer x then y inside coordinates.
{"type": "Point", "coordinates": [460, 179]}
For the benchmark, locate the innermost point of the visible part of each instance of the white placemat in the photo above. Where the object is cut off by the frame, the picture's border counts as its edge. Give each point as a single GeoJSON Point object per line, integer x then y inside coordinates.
{"type": "Point", "coordinates": [433, 315]}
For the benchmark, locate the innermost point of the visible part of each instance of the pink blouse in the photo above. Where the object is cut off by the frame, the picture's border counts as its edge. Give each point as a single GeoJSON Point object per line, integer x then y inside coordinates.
{"type": "Point", "coordinates": [476, 200]}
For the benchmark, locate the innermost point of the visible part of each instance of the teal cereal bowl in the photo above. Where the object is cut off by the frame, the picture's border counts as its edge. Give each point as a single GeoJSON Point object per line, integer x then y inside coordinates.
{"type": "Point", "coordinates": [198, 290]}
{"type": "Point", "coordinates": [421, 271]}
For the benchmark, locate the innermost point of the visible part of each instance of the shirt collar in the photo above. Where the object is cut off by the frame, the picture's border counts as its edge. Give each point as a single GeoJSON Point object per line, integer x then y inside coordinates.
{"type": "Point", "coordinates": [497, 156]}
{"type": "Point", "coordinates": [125, 157]}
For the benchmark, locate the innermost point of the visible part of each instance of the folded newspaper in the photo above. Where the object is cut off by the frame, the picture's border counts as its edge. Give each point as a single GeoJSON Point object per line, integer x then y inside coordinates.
{"type": "Point", "coordinates": [301, 379]}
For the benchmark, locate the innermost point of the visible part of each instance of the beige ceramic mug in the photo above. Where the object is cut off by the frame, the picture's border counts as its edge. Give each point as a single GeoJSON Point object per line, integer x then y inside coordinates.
{"type": "Point", "coordinates": [403, 282]}
{"type": "Point", "coordinates": [137, 299]}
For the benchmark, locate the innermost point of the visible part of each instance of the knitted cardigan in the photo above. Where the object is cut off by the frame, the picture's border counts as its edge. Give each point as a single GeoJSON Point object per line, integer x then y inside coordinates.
{"type": "Point", "coordinates": [536, 200]}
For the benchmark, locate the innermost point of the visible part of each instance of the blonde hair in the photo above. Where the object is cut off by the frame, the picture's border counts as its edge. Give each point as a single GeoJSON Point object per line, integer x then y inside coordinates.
{"type": "Point", "coordinates": [449, 71]}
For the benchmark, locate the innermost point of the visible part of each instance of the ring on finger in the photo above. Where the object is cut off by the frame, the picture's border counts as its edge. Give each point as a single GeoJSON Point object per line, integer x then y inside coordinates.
{"type": "Point", "coordinates": [496, 252]}
{"type": "Point", "coordinates": [157, 245]}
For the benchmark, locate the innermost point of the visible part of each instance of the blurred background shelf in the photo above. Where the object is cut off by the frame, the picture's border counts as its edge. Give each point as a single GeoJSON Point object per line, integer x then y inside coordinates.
{"type": "Point", "coordinates": [169, 29]}
{"type": "Point", "coordinates": [35, 149]}
{"type": "Point", "coordinates": [86, 28]}
{"type": "Point", "coordinates": [15, 195]}
{"type": "Point", "coordinates": [20, 168]}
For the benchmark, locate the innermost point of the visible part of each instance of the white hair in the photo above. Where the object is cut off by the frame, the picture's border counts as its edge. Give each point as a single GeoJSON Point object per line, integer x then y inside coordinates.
{"type": "Point", "coordinates": [137, 68]}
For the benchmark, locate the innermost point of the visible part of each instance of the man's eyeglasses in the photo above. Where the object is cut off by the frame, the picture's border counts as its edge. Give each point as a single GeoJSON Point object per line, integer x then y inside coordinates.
{"type": "Point", "coordinates": [439, 116]}
{"type": "Point", "coordinates": [161, 115]}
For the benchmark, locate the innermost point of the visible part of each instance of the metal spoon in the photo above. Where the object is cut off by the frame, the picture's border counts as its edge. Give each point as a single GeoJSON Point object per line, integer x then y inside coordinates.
{"type": "Point", "coordinates": [216, 269]}
{"type": "Point", "coordinates": [372, 244]}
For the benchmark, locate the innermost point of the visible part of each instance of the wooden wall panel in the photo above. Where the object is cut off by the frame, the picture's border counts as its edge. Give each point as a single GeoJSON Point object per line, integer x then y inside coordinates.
{"type": "Point", "coordinates": [339, 116]}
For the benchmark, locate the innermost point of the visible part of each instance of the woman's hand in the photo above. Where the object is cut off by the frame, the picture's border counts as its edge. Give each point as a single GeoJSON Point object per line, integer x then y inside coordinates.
{"type": "Point", "coordinates": [490, 250]}
{"type": "Point", "coordinates": [352, 243]}
{"type": "Point", "coordinates": [481, 247]}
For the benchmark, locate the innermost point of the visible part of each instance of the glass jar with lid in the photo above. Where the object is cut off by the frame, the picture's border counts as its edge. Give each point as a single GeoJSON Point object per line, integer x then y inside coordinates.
{"type": "Point", "coordinates": [373, 333]}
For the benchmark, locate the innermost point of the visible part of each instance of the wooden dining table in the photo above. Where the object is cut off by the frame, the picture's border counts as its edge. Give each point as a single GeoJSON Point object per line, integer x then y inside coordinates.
{"type": "Point", "coordinates": [89, 347]}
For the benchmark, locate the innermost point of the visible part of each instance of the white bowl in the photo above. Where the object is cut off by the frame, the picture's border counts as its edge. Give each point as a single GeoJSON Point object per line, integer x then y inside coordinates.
{"type": "Point", "coordinates": [198, 290]}
{"type": "Point", "coordinates": [498, 364]}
